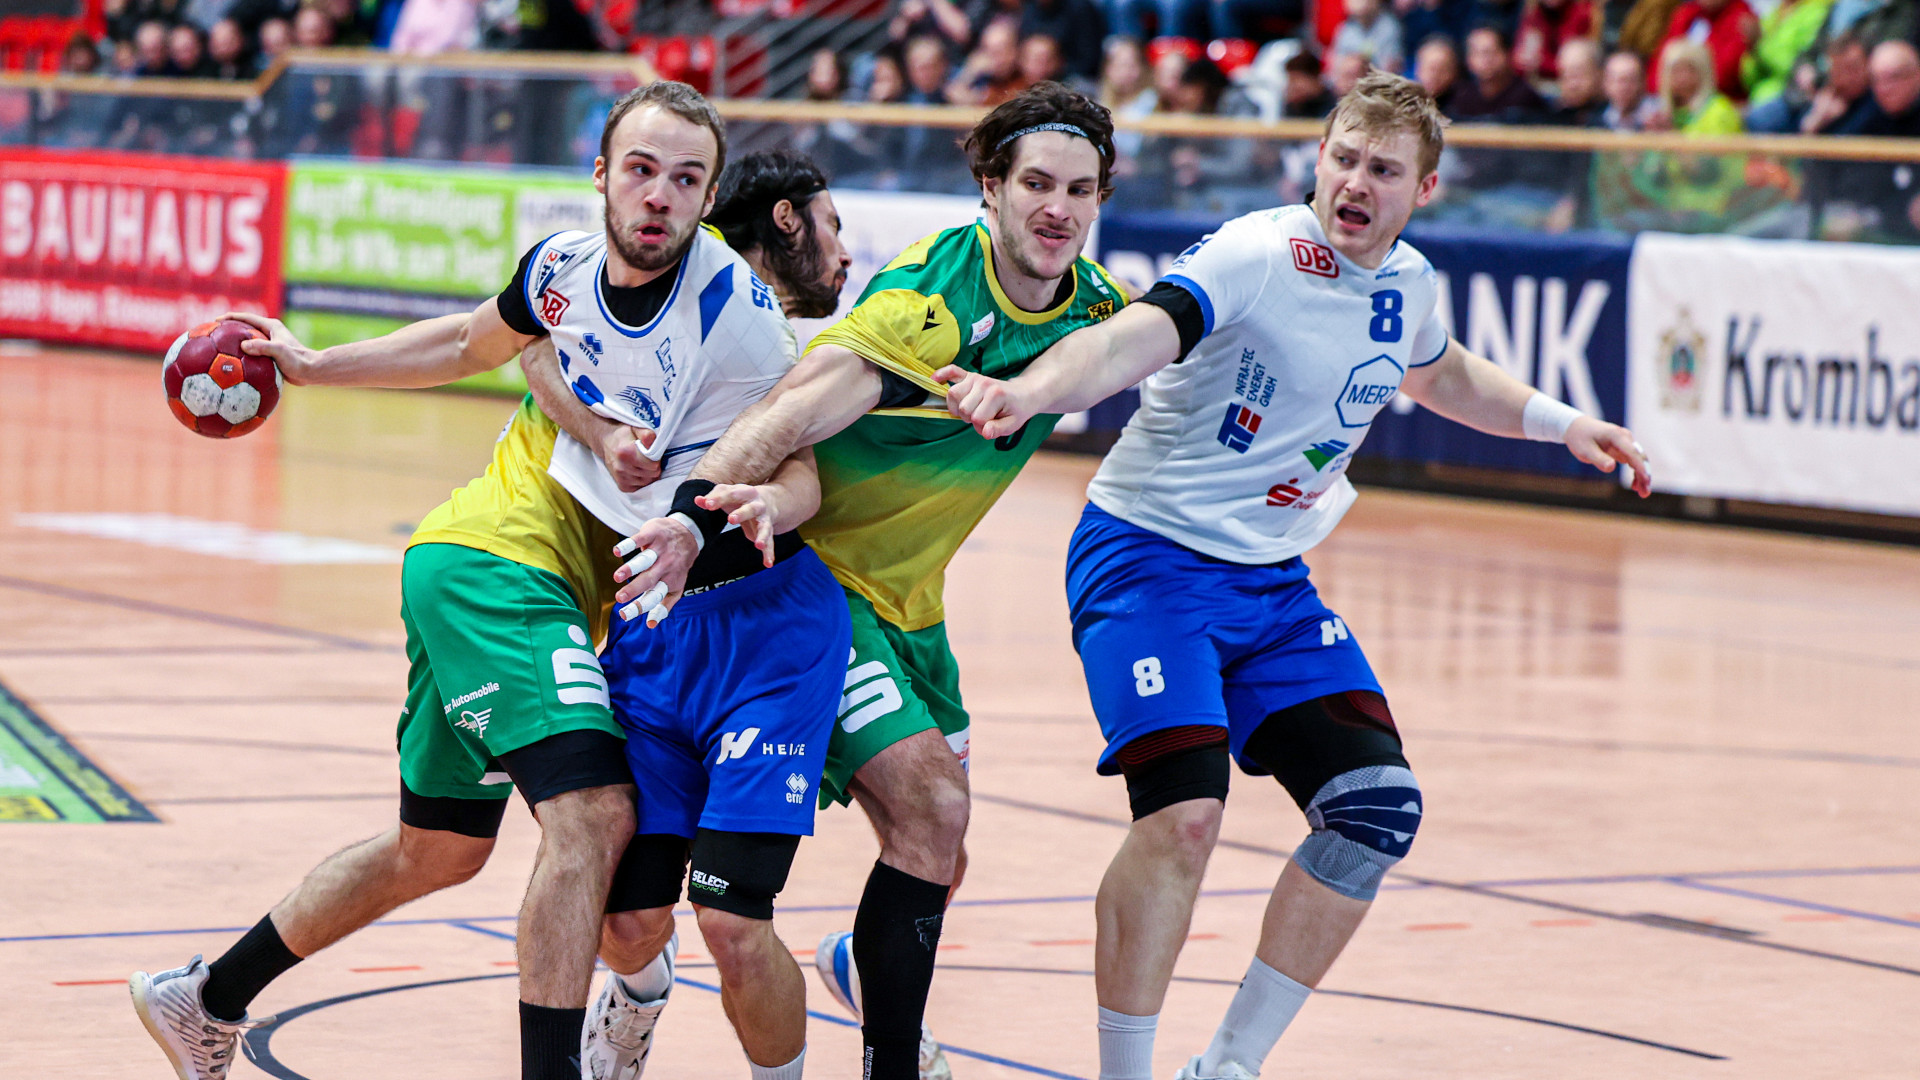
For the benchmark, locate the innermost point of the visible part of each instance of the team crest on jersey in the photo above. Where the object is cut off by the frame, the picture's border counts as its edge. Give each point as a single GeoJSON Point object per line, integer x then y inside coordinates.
{"type": "Point", "coordinates": [1313, 258]}
{"type": "Point", "coordinates": [553, 304]}
{"type": "Point", "coordinates": [1100, 311]}
{"type": "Point", "coordinates": [1237, 432]}
{"type": "Point", "coordinates": [642, 404]}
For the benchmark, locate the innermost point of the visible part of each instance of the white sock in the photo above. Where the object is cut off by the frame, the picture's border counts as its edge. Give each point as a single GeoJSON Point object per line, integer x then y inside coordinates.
{"type": "Point", "coordinates": [650, 983]}
{"type": "Point", "coordinates": [1262, 1008]}
{"type": "Point", "coordinates": [1126, 1045]}
{"type": "Point", "coordinates": [789, 1071]}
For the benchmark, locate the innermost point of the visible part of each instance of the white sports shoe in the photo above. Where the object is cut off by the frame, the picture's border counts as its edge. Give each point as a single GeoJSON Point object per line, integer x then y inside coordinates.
{"type": "Point", "coordinates": [834, 961]}
{"type": "Point", "coordinates": [1231, 1070]}
{"type": "Point", "coordinates": [200, 1046]}
{"type": "Point", "coordinates": [619, 1030]}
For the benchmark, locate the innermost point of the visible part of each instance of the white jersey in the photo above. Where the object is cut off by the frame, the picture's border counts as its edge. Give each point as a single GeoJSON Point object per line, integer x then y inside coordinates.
{"type": "Point", "coordinates": [1240, 451]}
{"type": "Point", "coordinates": [718, 345]}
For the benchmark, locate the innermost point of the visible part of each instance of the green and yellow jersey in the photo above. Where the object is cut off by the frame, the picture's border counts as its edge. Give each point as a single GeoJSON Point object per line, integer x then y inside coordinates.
{"type": "Point", "coordinates": [902, 487]}
{"type": "Point", "coordinates": [520, 513]}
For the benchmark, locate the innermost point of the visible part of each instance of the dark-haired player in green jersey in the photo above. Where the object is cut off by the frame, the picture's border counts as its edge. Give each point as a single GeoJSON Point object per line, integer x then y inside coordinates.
{"type": "Point", "coordinates": [903, 484]}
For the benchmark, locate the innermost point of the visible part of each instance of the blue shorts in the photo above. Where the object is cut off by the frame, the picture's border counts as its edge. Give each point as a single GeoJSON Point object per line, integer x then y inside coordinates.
{"type": "Point", "coordinates": [1170, 637]}
{"type": "Point", "coordinates": [728, 704]}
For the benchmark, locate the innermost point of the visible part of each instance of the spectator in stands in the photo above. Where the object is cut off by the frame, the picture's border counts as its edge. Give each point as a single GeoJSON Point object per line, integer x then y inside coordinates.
{"type": "Point", "coordinates": [1126, 92]}
{"type": "Point", "coordinates": [1881, 199]}
{"type": "Point", "coordinates": [312, 29]}
{"type": "Point", "coordinates": [1421, 20]}
{"type": "Point", "coordinates": [948, 22]}
{"type": "Point", "coordinates": [1690, 102]}
{"type": "Point", "coordinates": [252, 15]}
{"type": "Point", "coordinates": [352, 28]}
{"type": "Point", "coordinates": [1629, 108]}
{"type": "Point", "coordinates": [1546, 26]}
{"type": "Point", "coordinates": [1839, 106]}
{"type": "Point", "coordinates": [1726, 28]}
{"type": "Point", "coordinates": [187, 53]}
{"type": "Point", "coordinates": [826, 79]}
{"type": "Point", "coordinates": [227, 52]}
{"type": "Point", "coordinates": [126, 60]}
{"type": "Point", "coordinates": [1371, 33]}
{"type": "Point", "coordinates": [204, 13]}
{"type": "Point", "coordinates": [1645, 26]}
{"type": "Point", "coordinates": [991, 73]}
{"type": "Point", "coordinates": [1502, 15]}
{"type": "Point", "coordinates": [1077, 28]}
{"type": "Point", "coordinates": [276, 37]}
{"type": "Point", "coordinates": [1306, 95]}
{"type": "Point", "coordinates": [887, 84]}
{"type": "Point", "coordinates": [1204, 90]}
{"type": "Point", "coordinates": [1437, 68]}
{"type": "Point", "coordinates": [1786, 32]}
{"type": "Point", "coordinates": [1496, 93]}
{"type": "Point", "coordinates": [926, 71]}
{"type": "Point", "coordinates": [124, 17]}
{"type": "Point", "coordinates": [1845, 63]}
{"type": "Point", "coordinates": [1579, 102]}
{"type": "Point", "coordinates": [150, 46]}
{"type": "Point", "coordinates": [1895, 71]}
{"type": "Point", "coordinates": [1869, 21]}
{"type": "Point", "coordinates": [1041, 61]}
{"type": "Point", "coordinates": [432, 27]}
{"type": "Point", "coordinates": [532, 25]}
{"type": "Point", "coordinates": [1346, 71]}
{"type": "Point", "coordinates": [81, 56]}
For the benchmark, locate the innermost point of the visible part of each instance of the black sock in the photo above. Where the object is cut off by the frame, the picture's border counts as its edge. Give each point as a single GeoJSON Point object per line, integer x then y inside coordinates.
{"type": "Point", "coordinates": [894, 937]}
{"type": "Point", "coordinates": [550, 1042]}
{"type": "Point", "coordinates": [234, 980]}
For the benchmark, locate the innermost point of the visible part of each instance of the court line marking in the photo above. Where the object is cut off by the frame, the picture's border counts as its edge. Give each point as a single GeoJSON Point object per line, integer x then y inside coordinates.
{"type": "Point", "coordinates": [152, 607]}
{"type": "Point", "coordinates": [1471, 888]}
{"type": "Point", "coordinates": [208, 648]}
{"type": "Point", "coordinates": [225, 800]}
{"type": "Point", "coordinates": [226, 699]}
{"type": "Point", "coordinates": [244, 744]}
{"type": "Point", "coordinates": [259, 1049]}
{"type": "Point", "coordinates": [1709, 875]}
{"type": "Point", "coordinates": [1788, 901]}
{"type": "Point", "coordinates": [1359, 995]}
{"type": "Point", "coordinates": [1833, 757]}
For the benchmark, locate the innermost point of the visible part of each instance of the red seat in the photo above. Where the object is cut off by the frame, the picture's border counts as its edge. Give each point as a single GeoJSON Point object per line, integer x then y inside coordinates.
{"type": "Point", "coordinates": [16, 39]}
{"type": "Point", "coordinates": [1232, 54]}
{"type": "Point", "coordinates": [1161, 46]}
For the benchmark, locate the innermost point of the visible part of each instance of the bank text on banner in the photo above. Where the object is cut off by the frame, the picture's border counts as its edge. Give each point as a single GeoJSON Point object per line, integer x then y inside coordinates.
{"type": "Point", "coordinates": [1778, 371]}
{"type": "Point", "coordinates": [126, 251]}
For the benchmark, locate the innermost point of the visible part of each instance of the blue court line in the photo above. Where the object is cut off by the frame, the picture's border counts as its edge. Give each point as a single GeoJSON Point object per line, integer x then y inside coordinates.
{"type": "Point", "coordinates": [1711, 875]}
{"type": "Point", "coordinates": [1788, 901]}
{"type": "Point", "coordinates": [150, 607]}
{"type": "Point", "coordinates": [977, 1055]}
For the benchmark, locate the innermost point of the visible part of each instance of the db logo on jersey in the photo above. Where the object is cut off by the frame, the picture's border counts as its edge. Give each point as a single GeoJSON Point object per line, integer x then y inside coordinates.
{"type": "Point", "coordinates": [1314, 258]}
{"type": "Point", "coordinates": [552, 306]}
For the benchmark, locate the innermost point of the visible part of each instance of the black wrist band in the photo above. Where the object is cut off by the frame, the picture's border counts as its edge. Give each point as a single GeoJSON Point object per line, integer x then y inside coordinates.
{"type": "Point", "coordinates": [709, 522]}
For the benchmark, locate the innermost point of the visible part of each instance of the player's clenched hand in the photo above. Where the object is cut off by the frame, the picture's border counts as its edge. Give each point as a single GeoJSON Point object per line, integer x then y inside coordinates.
{"type": "Point", "coordinates": [993, 407]}
{"type": "Point", "coordinates": [623, 449]}
{"type": "Point", "coordinates": [652, 581]}
{"type": "Point", "coordinates": [1601, 444]}
{"type": "Point", "coordinates": [298, 364]}
{"type": "Point", "coordinates": [752, 507]}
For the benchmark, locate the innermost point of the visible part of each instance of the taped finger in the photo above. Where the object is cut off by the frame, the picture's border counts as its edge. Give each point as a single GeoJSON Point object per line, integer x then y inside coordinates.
{"type": "Point", "coordinates": [626, 547]}
{"type": "Point", "coordinates": [630, 612]}
{"type": "Point", "coordinates": [657, 616]}
{"type": "Point", "coordinates": [642, 561]}
{"type": "Point", "coordinates": [652, 597]}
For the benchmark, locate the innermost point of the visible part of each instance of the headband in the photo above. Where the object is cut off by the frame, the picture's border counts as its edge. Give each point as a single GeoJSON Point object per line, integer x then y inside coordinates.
{"type": "Point", "coordinates": [1068, 128]}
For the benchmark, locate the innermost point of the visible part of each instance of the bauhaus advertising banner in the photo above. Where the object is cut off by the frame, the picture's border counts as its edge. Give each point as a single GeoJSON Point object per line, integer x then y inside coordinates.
{"type": "Point", "coordinates": [1777, 371]}
{"type": "Point", "coordinates": [127, 251]}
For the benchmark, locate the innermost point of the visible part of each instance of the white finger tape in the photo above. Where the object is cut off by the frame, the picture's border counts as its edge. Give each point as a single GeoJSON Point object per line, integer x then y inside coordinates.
{"type": "Point", "coordinates": [630, 612]}
{"type": "Point", "coordinates": [657, 615]}
{"type": "Point", "coordinates": [626, 547]}
{"type": "Point", "coordinates": [652, 597]}
{"type": "Point", "coordinates": [642, 561]}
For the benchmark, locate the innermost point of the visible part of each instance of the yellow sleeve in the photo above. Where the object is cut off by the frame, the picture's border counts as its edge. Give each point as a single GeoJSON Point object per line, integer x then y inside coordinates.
{"type": "Point", "coordinates": [901, 330]}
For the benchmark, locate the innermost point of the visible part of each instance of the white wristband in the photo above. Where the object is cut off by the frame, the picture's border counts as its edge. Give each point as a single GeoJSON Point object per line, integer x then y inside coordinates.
{"type": "Point", "coordinates": [699, 541]}
{"type": "Point", "coordinates": [1547, 420]}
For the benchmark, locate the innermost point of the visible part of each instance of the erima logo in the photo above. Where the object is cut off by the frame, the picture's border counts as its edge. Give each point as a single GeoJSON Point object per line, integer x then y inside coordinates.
{"type": "Point", "coordinates": [1332, 630]}
{"type": "Point", "coordinates": [709, 882]}
{"type": "Point", "coordinates": [980, 329]}
{"type": "Point", "coordinates": [736, 744]}
{"type": "Point", "coordinates": [931, 321]}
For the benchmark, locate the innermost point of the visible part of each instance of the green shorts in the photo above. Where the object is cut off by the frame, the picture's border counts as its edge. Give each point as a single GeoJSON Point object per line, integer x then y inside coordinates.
{"type": "Point", "coordinates": [500, 658]}
{"type": "Point", "coordinates": [899, 683]}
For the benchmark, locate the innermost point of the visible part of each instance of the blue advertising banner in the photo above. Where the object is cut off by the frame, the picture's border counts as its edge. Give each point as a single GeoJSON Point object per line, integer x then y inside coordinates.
{"type": "Point", "coordinates": [1551, 310]}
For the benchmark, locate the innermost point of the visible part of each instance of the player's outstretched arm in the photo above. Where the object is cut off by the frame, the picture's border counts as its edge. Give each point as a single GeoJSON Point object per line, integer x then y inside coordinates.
{"type": "Point", "coordinates": [830, 388]}
{"type": "Point", "coordinates": [1081, 370]}
{"type": "Point", "coordinates": [431, 352]}
{"type": "Point", "coordinates": [1474, 391]}
{"type": "Point", "coordinates": [621, 448]}
{"type": "Point", "coordinates": [781, 505]}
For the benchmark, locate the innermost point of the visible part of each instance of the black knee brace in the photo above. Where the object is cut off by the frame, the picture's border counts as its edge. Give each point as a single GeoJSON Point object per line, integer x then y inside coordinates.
{"type": "Point", "coordinates": [740, 872]}
{"type": "Point", "coordinates": [1305, 745]}
{"type": "Point", "coordinates": [1175, 765]}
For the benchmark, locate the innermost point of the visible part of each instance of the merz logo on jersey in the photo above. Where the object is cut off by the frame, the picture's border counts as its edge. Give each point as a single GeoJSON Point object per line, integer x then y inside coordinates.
{"type": "Point", "coordinates": [1239, 428]}
{"type": "Point", "coordinates": [642, 403]}
{"type": "Point", "coordinates": [1320, 453]}
{"type": "Point", "coordinates": [1369, 386]}
{"type": "Point", "coordinates": [1313, 258]}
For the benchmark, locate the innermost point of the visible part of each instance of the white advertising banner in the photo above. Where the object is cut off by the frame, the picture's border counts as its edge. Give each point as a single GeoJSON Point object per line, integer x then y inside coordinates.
{"type": "Point", "coordinates": [1777, 371]}
{"type": "Point", "coordinates": [877, 225]}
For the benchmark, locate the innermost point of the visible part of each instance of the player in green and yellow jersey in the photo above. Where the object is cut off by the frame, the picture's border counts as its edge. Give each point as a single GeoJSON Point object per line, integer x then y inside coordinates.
{"type": "Point", "coordinates": [903, 483]}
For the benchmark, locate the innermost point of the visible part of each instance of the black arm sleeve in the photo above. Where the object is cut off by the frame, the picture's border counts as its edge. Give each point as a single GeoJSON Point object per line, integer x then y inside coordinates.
{"type": "Point", "coordinates": [1188, 319]}
{"type": "Point", "coordinates": [897, 391]}
{"type": "Point", "coordinates": [512, 301]}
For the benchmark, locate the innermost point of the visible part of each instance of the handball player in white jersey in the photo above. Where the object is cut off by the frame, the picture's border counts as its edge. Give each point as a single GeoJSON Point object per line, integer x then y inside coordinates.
{"type": "Point", "coordinates": [1267, 350]}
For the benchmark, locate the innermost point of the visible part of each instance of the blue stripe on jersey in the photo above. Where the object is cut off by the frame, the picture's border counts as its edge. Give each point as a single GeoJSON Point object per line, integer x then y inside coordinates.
{"type": "Point", "coordinates": [713, 298]}
{"type": "Point", "coordinates": [1436, 356]}
{"type": "Point", "coordinates": [687, 448]}
{"type": "Point", "coordinates": [1200, 294]}
{"type": "Point", "coordinates": [600, 275]}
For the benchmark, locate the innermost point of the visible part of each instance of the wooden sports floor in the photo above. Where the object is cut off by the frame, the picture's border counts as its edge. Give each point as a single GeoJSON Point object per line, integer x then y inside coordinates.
{"type": "Point", "coordinates": [1672, 772]}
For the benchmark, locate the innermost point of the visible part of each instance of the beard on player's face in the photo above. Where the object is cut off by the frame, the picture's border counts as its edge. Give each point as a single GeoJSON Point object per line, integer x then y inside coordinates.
{"type": "Point", "coordinates": [648, 241]}
{"type": "Point", "coordinates": [809, 282]}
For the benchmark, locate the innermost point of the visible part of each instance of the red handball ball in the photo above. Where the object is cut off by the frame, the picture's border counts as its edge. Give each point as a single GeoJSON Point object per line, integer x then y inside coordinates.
{"type": "Point", "coordinates": [216, 389]}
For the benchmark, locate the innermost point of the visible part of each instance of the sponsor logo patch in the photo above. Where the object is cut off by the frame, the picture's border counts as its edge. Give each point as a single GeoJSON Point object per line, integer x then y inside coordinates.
{"type": "Point", "coordinates": [1238, 430]}
{"type": "Point", "coordinates": [1316, 259]}
{"type": "Point", "coordinates": [553, 304]}
{"type": "Point", "coordinates": [1100, 311]}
